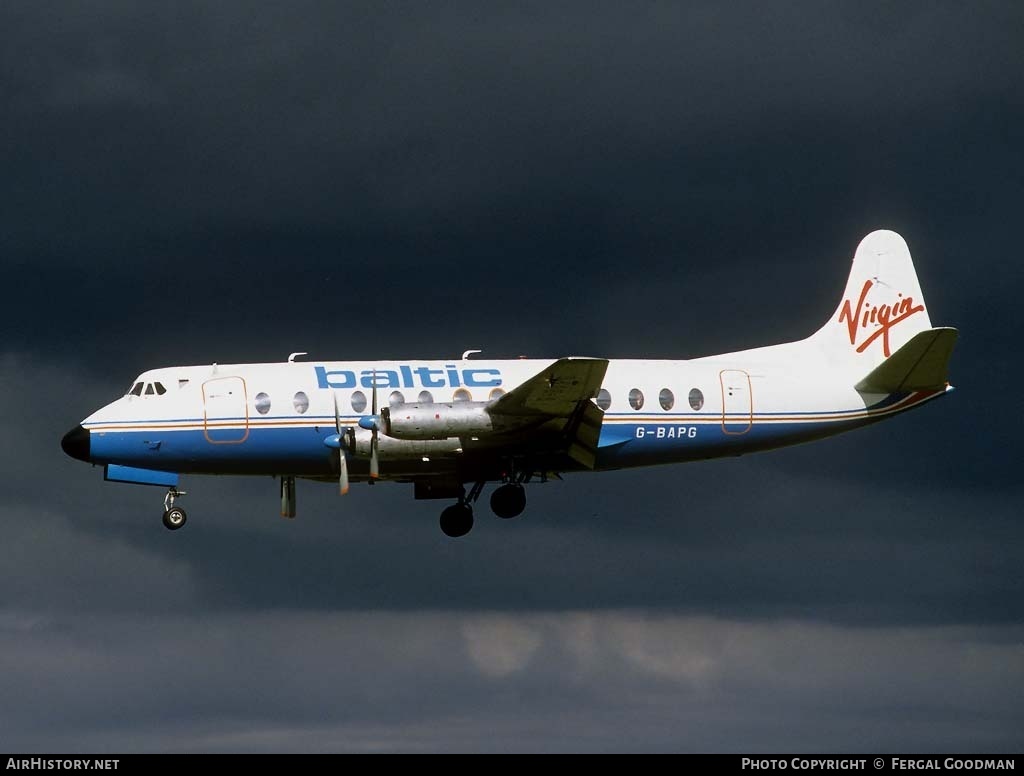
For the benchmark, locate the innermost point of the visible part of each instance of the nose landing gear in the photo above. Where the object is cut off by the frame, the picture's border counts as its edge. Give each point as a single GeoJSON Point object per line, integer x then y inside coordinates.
{"type": "Point", "coordinates": [174, 517]}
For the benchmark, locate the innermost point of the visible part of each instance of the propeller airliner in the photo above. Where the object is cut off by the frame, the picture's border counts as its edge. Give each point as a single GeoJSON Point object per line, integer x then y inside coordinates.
{"type": "Point", "coordinates": [451, 427]}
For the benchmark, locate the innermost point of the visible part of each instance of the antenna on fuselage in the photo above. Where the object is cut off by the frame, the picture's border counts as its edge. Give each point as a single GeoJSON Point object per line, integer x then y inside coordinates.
{"type": "Point", "coordinates": [292, 356]}
{"type": "Point", "coordinates": [468, 353]}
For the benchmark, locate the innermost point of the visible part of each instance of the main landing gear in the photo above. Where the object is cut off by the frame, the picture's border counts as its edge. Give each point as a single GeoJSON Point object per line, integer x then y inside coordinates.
{"type": "Point", "coordinates": [457, 520]}
{"type": "Point", "coordinates": [174, 517]}
{"type": "Point", "coordinates": [507, 501]}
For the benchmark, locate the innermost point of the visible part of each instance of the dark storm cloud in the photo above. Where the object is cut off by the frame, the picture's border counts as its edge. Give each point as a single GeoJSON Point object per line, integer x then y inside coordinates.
{"type": "Point", "coordinates": [197, 183]}
{"type": "Point", "coordinates": [194, 158]}
{"type": "Point", "coordinates": [494, 682]}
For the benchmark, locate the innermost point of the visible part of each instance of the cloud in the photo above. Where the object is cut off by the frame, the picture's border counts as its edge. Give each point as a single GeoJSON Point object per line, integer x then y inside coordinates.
{"type": "Point", "coordinates": [436, 121]}
{"type": "Point", "coordinates": [198, 184]}
{"type": "Point", "coordinates": [501, 645]}
{"type": "Point", "coordinates": [622, 680]}
{"type": "Point", "coordinates": [100, 86]}
{"type": "Point", "coordinates": [49, 564]}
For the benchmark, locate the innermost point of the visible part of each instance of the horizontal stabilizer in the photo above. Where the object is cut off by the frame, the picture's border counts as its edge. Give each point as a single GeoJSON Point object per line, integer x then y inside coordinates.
{"type": "Point", "coordinates": [921, 364]}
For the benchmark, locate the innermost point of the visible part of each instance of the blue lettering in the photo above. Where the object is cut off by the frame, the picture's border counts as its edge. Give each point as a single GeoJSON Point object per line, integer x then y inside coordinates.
{"type": "Point", "coordinates": [343, 378]}
{"type": "Point", "coordinates": [406, 376]}
{"type": "Point", "coordinates": [425, 373]}
{"type": "Point", "coordinates": [469, 378]}
{"type": "Point", "coordinates": [385, 378]}
{"type": "Point", "coordinates": [453, 375]}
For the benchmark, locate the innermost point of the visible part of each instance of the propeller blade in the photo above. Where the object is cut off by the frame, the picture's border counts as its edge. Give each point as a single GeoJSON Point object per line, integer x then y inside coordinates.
{"type": "Point", "coordinates": [343, 476]}
{"type": "Point", "coordinates": [342, 459]}
{"type": "Point", "coordinates": [374, 466]}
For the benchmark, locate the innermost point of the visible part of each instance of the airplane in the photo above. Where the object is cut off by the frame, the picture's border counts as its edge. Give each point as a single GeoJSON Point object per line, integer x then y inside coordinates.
{"type": "Point", "coordinates": [443, 425]}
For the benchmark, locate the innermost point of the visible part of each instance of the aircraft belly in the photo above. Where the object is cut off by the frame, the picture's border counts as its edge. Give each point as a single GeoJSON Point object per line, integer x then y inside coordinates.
{"type": "Point", "coordinates": [263, 451]}
{"type": "Point", "coordinates": [295, 451]}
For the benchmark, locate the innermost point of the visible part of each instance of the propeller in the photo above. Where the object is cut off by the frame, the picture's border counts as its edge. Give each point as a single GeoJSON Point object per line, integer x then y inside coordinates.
{"type": "Point", "coordinates": [372, 423]}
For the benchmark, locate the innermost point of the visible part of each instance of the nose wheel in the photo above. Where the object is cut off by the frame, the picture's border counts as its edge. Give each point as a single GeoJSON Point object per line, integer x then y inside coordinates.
{"type": "Point", "coordinates": [174, 517]}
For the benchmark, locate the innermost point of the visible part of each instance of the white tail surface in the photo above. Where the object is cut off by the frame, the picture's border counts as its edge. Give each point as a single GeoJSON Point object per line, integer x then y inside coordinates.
{"type": "Point", "coordinates": [881, 309]}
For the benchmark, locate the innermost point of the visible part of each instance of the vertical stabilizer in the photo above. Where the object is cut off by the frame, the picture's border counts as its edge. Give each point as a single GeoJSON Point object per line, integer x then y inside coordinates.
{"type": "Point", "coordinates": [881, 309]}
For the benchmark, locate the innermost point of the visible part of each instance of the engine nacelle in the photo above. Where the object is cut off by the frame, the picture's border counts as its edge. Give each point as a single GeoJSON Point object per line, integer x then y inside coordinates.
{"type": "Point", "coordinates": [390, 449]}
{"type": "Point", "coordinates": [439, 421]}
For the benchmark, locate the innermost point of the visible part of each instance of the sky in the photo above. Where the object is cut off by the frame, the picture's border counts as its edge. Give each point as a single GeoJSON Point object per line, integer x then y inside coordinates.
{"type": "Point", "coordinates": [191, 183]}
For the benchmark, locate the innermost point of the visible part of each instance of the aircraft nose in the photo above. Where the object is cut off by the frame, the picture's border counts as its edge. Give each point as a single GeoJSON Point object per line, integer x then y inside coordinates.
{"type": "Point", "coordinates": [76, 443]}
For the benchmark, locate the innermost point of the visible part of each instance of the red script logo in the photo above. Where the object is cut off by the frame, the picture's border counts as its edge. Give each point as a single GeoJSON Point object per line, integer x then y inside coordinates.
{"type": "Point", "coordinates": [883, 317]}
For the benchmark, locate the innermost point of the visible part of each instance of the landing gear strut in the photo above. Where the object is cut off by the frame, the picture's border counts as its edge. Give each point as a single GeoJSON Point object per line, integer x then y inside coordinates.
{"type": "Point", "coordinates": [174, 517]}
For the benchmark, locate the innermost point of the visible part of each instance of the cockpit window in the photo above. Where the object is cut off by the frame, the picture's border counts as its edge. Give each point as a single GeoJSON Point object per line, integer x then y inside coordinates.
{"type": "Point", "coordinates": [160, 390]}
{"type": "Point", "coordinates": [136, 390]}
{"type": "Point", "coordinates": [149, 389]}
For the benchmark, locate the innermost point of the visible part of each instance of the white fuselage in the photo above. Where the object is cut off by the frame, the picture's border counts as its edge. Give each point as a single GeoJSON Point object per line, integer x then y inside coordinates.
{"type": "Point", "coordinates": [272, 418]}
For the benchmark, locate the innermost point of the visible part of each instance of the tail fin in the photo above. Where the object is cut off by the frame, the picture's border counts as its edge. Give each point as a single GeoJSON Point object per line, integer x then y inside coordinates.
{"type": "Point", "coordinates": [881, 310]}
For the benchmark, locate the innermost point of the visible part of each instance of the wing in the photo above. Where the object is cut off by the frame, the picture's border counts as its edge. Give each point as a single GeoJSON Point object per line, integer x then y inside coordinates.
{"type": "Point", "coordinates": [555, 391]}
{"type": "Point", "coordinates": [562, 390]}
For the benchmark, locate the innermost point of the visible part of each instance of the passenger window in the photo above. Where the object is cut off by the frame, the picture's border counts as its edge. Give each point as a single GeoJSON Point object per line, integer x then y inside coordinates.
{"type": "Point", "coordinates": [149, 389]}
{"type": "Point", "coordinates": [666, 399]}
{"type": "Point", "coordinates": [604, 399]}
{"type": "Point", "coordinates": [425, 397]}
{"type": "Point", "coordinates": [262, 403]}
{"type": "Point", "coordinates": [396, 399]}
{"type": "Point", "coordinates": [636, 399]}
{"type": "Point", "coordinates": [463, 395]}
{"type": "Point", "coordinates": [301, 402]}
{"type": "Point", "coordinates": [358, 401]}
{"type": "Point", "coordinates": [160, 390]}
{"type": "Point", "coordinates": [696, 399]}
{"type": "Point", "coordinates": [496, 393]}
